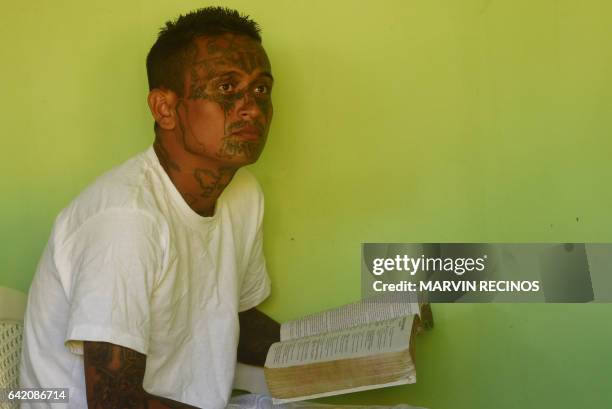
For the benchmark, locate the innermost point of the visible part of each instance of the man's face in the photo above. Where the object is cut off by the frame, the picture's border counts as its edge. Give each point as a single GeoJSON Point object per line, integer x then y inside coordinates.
{"type": "Point", "coordinates": [226, 108]}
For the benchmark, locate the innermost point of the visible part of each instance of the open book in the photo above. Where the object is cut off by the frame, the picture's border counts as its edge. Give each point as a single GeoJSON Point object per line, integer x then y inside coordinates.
{"type": "Point", "coordinates": [360, 346]}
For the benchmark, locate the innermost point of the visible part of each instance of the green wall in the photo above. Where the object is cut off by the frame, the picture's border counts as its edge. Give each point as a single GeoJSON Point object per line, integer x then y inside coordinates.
{"type": "Point", "coordinates": [395, 121]}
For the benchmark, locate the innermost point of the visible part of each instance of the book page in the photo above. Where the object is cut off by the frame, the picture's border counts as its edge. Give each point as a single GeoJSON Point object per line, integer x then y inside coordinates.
{"type": "Point", "coordinates": [369, 339]}
{"type": "Point", "coordinates": [350, 315]}
{"type": "Point", "coordinates": [408, 380]}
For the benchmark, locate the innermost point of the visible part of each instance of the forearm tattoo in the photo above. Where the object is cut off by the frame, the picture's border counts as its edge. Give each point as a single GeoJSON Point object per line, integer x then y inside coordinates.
{"type": "Point", "coordinates": [114, 377]}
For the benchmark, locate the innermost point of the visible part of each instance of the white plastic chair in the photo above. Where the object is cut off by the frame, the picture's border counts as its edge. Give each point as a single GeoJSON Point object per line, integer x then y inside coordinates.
{"type": "Point", "coordinates": [12, 310]}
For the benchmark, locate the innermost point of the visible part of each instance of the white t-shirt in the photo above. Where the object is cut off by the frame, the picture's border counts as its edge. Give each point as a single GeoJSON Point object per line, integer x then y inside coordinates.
{"type": "Point", "coordinates": [130, 263]}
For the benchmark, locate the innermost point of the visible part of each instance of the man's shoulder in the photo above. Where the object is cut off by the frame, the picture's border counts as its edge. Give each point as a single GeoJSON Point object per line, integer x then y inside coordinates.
{"type": "Point", "coordinates": [128, 186]}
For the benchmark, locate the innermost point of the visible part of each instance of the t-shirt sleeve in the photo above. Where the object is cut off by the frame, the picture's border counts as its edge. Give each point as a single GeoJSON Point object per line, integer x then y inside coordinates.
{"type": "Point", "coordinates": [114, 260]}
{"type": "Point", "coordinates": [256, 283]}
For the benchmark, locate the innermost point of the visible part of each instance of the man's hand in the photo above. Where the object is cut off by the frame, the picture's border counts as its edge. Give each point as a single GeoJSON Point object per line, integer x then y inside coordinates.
{"type": "Point", "coordinates": [257, 333]}
{"type": "Point", "coordinates": [113, 376]}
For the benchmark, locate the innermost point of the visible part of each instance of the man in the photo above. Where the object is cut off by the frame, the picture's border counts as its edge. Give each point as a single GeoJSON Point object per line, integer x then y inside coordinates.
{"type": "Point", "coordinates": [150, 272]}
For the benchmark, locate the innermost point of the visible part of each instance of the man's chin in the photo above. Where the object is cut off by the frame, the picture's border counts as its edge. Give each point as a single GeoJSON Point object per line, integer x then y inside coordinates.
{"type": "Point", "coordinates": [249, 160]}
{"type": "Point", "coordinates": [241, 151]}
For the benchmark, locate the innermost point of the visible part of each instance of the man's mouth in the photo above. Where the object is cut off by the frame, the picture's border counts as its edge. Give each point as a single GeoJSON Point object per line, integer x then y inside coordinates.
{"type": "Point", "coordinates": [248, 132]}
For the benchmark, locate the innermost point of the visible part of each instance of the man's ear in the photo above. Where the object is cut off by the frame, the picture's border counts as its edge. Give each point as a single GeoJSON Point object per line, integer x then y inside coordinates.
{"type": "Point", "coordinates": [162, 103]}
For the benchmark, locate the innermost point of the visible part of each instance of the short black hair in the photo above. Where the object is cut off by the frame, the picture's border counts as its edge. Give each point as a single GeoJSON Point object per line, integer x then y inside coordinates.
{"type": "Point", "coordinates": [174, 46]}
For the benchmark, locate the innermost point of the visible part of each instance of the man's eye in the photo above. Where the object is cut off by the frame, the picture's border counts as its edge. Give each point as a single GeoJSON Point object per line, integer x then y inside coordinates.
{"type": "Point", "coordinates": [225, 87]}
{"type": "Point", "coordinates": [262, 89]}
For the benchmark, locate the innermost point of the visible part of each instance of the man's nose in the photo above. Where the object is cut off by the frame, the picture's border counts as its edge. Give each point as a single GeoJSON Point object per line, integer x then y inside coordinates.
{"type": "Point", "coordinates": [247, 107]}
